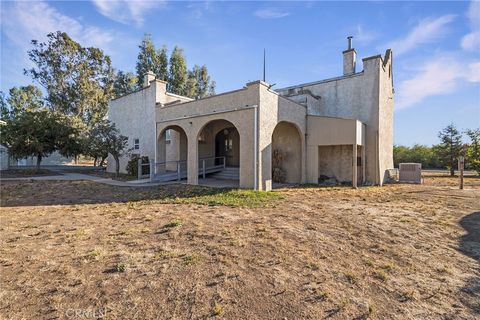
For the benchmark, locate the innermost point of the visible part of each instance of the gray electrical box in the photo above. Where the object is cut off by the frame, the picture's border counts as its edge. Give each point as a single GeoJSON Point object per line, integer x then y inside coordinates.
{"type": "Point", "coordinates": [410, 172]}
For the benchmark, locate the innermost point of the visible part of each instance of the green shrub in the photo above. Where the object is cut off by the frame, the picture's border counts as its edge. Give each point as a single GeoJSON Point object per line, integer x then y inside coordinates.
{"type": "Point", "coordinates": [132, 165]}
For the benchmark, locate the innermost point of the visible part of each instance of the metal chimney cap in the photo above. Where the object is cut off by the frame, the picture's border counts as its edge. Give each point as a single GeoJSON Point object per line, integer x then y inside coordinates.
{"type": "Point", "coordinates": [350, 42]}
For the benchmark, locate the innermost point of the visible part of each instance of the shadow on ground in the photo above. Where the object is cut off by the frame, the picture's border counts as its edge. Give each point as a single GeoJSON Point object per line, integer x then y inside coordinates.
{"type": "Point", "coordinates": [41, 193]}
{"type": "Point", "coordinates": [469, 244]}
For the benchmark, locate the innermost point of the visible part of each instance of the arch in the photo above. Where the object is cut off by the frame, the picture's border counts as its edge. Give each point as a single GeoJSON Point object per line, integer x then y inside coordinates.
{"type": "Point", "coordinates": [218, 144]}
{"type": "Point", "coordinates": [287, 153]}
{"type": "Point", "coordinates": [171, 153]}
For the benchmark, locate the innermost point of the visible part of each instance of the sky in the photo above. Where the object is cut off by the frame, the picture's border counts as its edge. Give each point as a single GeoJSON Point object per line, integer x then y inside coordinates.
{"type": "Point", "coordinates": [436, 46]}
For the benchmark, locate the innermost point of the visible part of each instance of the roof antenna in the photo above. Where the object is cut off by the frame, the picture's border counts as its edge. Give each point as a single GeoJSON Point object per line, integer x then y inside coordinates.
{"type": "Point", "coordinates": [264, 65]}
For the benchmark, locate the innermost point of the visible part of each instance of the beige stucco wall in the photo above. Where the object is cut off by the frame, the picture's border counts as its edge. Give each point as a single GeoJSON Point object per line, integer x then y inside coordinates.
{"type": "Point", "coordinates": [332, 132]}
{"type": "Point", "coordinates": [385, 117]}
{"type": "Point", "coordinates": [240, 108]}
{"type": "Point", "coordinates": [350, 110]}
{"type": "Point", "coordinates": [286, 138]}
{"type": "Point", "coordinates": [237, 107]}
{"type": "Point", "coordinates": [365, 96]}
{"type": "Point", "coordinates": [134, 115]}
{"type": "Point", "coordinates": [335, 162]}
{"type": "Point", "coordinates": [274, 109]}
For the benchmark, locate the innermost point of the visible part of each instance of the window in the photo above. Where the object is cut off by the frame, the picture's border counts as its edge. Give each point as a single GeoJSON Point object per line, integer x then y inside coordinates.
{"type": "Point", "coordinates": [168, 135]}
{"type": "Point", "coordinates": [136, 144]}
{"type": "Point", "coordinates": [228, 144]}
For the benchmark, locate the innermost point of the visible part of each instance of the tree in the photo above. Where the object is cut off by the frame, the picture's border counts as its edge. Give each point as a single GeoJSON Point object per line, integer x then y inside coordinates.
{"type": "Point", "coordinates": [473, 150]}
{"type": "Point", "coordinates": [4, 111]}
{"type": "Point", "coordinates": [162, 68]}
{"type": "Point", "coordinates": [417, 153]}
{"type": "Point", "coordinates": [95, 146]}
{"type": "Point", "coordinates": [110, 140]}
{"type": "Point", "coordinates": [178, 72]}
{"type": "Point", "coordinates": [191, 85]}
{"type": "Point", "coordinates": [71, 136]}
{"type": "Point", "coordinates": [124, 83]}
{"type": "Point", "coordinates": [150, 59]}
{"type": "Point", "coordinates": [450, 147]}
{"type": "Point", "coordinates": [34, 133]}
{"type": "Point", "coordinates": [78, 80]}
{"type": "Point", "coordinates": [200, 80]}
{"type": "Point", "coordinates": [27, 98]}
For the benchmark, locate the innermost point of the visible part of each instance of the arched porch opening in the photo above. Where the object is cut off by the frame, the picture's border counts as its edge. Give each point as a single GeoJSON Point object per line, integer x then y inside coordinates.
{"type": "Point", "coordinates": [219, 151]}
{"type": "Point", "coordinates": [172, 154]}
{"type": "Point", "coordinates": [286, 153]}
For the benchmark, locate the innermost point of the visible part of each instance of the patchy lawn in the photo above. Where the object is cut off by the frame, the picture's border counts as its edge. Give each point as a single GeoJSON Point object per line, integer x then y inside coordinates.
{"type": "Point", "coordinates": [26, 172]}
{"type": "Point", "coordinates": [80, 249]}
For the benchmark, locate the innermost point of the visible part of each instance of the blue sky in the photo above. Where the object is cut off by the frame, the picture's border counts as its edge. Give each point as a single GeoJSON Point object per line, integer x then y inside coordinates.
{"type": "Point", "coordinates": [436, 45]}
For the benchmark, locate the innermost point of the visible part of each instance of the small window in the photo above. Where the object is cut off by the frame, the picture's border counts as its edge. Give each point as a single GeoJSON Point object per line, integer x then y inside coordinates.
{"type": "Point", "coordinates": [136, 144]}
{"type": "Point", "coordinates": [168, 135]}
{"type": "Point", "coordinates": [228, 144]}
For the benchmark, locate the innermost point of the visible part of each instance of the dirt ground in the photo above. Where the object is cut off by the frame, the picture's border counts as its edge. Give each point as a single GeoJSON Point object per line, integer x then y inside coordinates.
{"type": "Point", "coordinates": [80, 250]}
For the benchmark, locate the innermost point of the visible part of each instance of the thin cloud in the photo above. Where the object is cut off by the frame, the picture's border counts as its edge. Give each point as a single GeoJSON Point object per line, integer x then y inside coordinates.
{"type": "Point", "coordinates": [427, 31]}
{"type": "Point", "coordinates": [127, 11]}
{"type": "Point", "coordinates": [442, 75]}
{"type": "Point", "coordinates": [471, 41]}
{"type": "Point", "coordinates": [270, 13]}
{"type": "Point", "coordinates": [363, 36]}
{"type": "Point", "coordinates": [34, 20]}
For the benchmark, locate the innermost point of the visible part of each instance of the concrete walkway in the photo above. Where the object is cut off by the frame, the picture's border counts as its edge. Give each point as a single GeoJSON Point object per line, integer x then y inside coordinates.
{"type": "Point", "coordinates": [69, 176]}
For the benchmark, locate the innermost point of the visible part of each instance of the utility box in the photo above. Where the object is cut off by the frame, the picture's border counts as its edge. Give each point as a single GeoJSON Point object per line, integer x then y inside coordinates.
{"type": "Point", "coordinates": [410, 172]}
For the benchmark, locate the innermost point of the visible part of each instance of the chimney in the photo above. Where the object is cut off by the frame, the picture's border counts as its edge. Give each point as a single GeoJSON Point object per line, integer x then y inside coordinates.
{"type": "Point", "coordinates": [349, 58]}
{"type": "Point", "coordinates": [149, 76]}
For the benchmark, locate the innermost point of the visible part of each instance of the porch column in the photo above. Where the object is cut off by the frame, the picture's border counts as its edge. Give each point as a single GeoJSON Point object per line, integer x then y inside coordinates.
{"type": "Point", "coordinates": [312, 164]}
{"type": "Point", "coordinates": [363, 164]}
{"type": "Point", "coordinates": [354, 167]}
{"type": "Point", "coordinates": [192, 159]}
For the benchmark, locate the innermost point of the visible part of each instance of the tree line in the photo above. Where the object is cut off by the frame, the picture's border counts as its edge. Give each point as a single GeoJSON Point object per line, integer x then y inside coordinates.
{"type": "Point", "coordinates": [78, 83]}
{"type": "Point", "coordinates": [195, 83]}
{"type": "Point", "coordinates": [445, 154]}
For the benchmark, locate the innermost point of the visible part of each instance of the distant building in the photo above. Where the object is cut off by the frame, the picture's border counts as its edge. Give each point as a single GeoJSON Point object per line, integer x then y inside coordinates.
{"type": "Point", "coordinates": [339, 128]}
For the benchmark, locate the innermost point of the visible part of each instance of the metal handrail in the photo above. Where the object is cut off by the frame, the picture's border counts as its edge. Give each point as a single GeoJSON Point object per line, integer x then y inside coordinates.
{"type": "Point", "coordinates": [202, 169]}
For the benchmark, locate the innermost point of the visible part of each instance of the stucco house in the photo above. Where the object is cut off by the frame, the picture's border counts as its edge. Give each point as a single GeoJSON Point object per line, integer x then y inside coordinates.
{"type": "Point", "coordinates": [339, 128]}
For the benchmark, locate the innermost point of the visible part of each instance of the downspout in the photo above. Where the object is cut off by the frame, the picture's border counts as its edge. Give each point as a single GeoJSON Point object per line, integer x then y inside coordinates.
{"type": "Point", "coordinates": [377, 160]}
{"type": "Point", "coordinates": [255, 147]}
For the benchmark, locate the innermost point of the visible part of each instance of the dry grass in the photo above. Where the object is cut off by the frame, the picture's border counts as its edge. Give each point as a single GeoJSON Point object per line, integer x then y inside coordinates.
{"type": "Point", "coordinates": [26, 172]}
{"type": "Point", "coordinates": [397, 252]}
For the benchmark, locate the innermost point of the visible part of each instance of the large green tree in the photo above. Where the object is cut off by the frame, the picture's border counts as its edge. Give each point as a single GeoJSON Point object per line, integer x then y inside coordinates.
{"type": "Point", "coordinates": [78, 80]}
{"type": "Point", "coordinates": [124, 83]}
{"type": "Point", "coordinates": [450, 147]}
{"type": "Point", "coordinates": [473, 150]}
{"type": "Point", "coordinates": [36, 133]}
{"type": "Point", "coordinates": [151, 59]}
{"type": "Point", "coordinates": [177, 82]}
